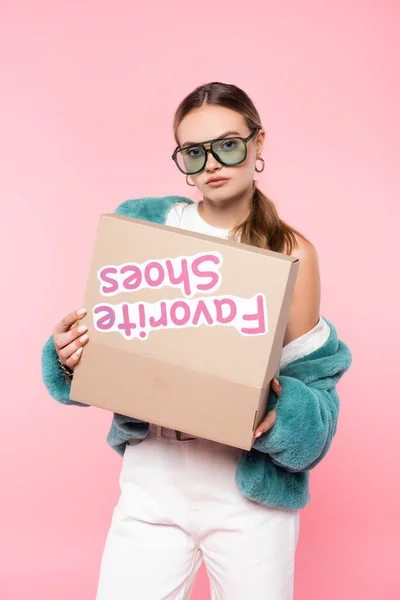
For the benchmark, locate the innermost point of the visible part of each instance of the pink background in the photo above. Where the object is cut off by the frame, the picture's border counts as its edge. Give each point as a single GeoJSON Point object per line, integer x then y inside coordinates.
{"type": "Point", "coordinates": [88, 92]}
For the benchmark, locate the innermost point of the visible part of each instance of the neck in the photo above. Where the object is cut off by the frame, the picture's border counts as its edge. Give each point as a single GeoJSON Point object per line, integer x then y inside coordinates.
{"type": "Point", "coordinates": [228, 213]}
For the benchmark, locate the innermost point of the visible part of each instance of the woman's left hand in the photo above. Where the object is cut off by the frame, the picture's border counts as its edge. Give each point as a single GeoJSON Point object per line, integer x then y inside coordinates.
{"type": "Point", "coordinates": [270, 419]}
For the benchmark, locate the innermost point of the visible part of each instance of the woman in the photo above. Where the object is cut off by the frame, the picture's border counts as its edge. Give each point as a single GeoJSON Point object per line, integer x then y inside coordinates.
{"type": "Point", "coordinates": [185, 500]}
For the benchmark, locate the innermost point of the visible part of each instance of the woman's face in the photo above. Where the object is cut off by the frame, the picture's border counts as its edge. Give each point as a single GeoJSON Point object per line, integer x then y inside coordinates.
{"type": "Point", "coordinates": [211, 122]}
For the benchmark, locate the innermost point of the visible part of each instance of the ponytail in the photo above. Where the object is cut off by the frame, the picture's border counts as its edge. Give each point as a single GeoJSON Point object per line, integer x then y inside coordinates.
{"type": "Point", "coordinates": [263, 227]}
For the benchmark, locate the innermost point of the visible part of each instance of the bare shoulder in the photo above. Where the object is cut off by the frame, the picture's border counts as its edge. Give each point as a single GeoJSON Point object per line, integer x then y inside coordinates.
{"type": "Point", "coordinates": [305, 309]}
{"type": "Point", "coordinates": [305, 249]}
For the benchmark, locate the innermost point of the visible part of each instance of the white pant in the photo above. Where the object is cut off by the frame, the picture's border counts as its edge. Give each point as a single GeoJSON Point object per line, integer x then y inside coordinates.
{"type": "Point", "coordinates": [179, 505]}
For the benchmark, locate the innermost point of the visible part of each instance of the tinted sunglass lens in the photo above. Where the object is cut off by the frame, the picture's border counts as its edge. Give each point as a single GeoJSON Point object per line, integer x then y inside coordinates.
{"type": "Point", "coordinates": [231, 151]}
{"type": "Point", "coordinates": [191, 159]}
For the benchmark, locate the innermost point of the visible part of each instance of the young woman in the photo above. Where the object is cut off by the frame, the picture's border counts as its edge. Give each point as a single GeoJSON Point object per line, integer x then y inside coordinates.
{"type": "Point", "coordinates": [185, 500]}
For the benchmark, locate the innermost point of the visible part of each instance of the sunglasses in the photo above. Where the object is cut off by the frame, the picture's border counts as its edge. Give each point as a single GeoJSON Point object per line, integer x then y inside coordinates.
{"type": "Point", "coordinates": [229, 151]}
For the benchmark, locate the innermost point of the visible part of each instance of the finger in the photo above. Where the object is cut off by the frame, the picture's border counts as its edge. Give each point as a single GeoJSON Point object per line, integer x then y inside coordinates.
{"type": "Point", "coordinates": [66, 323]}
{"type": "Point", "coordinates": [266, 424]}
{"type": "Point", "coordinates": [62, 340]}
{"type": "Point", "coordinates": [276, 387]}
{"type": "Point", "coordinates": [276, 383]}
{"type": "Point", "coordinates": [73, 360]}
{"type": "Point", "coordinates": [67, 351]}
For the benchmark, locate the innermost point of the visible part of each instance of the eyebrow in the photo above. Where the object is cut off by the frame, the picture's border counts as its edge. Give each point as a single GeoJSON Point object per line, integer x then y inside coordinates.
{"type": "Point", "coordinates": [218, 138]}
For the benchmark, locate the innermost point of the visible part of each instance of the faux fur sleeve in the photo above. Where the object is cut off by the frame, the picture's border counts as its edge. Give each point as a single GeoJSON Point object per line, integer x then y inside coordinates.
{"type": "Point", "coordinates": [57, 383]}
{"type": "Point", "coordinates": [308, 408]}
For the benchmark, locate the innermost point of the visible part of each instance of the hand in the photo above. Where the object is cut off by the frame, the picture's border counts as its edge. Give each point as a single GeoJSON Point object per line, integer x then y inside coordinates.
{"type": "Point", "coordinates": [68, 338]}
{"type": "Point", "coordinates": [270, 419]}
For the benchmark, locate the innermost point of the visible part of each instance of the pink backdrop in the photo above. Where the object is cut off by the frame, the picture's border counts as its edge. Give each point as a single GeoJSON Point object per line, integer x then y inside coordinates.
{"type": "Point", "coordinates": [88, 92]}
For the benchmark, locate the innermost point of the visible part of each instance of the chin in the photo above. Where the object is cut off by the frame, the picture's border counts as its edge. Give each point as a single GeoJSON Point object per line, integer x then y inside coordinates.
{"type": "Point", "coordinates": [218, 196]}
{"type": "Point", "coordinates": [225, 191]}
{"type": "Point", "coordinates": [221, 195]}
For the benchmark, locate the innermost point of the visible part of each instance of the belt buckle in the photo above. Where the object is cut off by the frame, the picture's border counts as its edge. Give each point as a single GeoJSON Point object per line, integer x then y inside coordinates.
{"type": "Point", "coordinates": [181, 437]}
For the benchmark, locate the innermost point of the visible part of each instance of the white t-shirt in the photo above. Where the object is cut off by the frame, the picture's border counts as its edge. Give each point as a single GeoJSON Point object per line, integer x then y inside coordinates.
{"type": "Point", "coordinates": [186, 216]}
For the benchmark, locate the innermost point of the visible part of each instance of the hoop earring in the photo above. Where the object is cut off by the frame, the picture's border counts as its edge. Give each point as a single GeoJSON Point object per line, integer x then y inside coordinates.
{"type": "Point", "coordinates": [188, 182]}
{"type": "Point", "coordinates": [263, 165]}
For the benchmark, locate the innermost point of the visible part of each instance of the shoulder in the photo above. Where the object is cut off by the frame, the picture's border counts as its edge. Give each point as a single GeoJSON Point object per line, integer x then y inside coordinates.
{"type": "Point", "coordinates": [154, 209]}
{"type": "Point", "coordinates": [175, 214]}
{"type": "Point", "coordinates": [305, 250]}
{"type": "Point", "coordinates": [305, 309]}
{"type": "Point", "coordinates": [307, 254]}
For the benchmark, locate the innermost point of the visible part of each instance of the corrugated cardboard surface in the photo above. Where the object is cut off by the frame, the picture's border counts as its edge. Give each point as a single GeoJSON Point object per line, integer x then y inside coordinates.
{"type": "Point", "coordinates": [209, 381]}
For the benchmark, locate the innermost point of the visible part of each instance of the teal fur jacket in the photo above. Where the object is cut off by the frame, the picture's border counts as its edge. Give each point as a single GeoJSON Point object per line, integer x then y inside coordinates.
{"type": "Point", "coordinates": [275, 472]}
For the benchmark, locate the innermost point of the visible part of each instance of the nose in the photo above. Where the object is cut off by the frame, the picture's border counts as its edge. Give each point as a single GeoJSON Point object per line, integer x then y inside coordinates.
{"type": "Point", "coordinates": [211, 163]}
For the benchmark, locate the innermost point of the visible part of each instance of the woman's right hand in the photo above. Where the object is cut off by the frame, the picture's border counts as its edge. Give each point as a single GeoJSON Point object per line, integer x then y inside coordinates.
{"type": "Point", "coordinates": [69, 338]}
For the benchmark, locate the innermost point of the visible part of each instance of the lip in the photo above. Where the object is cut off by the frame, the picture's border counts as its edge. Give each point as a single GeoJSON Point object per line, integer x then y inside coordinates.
{"type": "Point", "coordinates": [216, 181]}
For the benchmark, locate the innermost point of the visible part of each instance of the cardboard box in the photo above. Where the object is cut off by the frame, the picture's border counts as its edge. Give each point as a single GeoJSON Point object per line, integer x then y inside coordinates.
{"type": "Point", "coordinates": [185, 330]}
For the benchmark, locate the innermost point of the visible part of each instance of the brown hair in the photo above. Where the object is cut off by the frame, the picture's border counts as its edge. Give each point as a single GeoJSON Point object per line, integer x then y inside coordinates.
{"type": "Point", "coordinates": [262, 227]}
